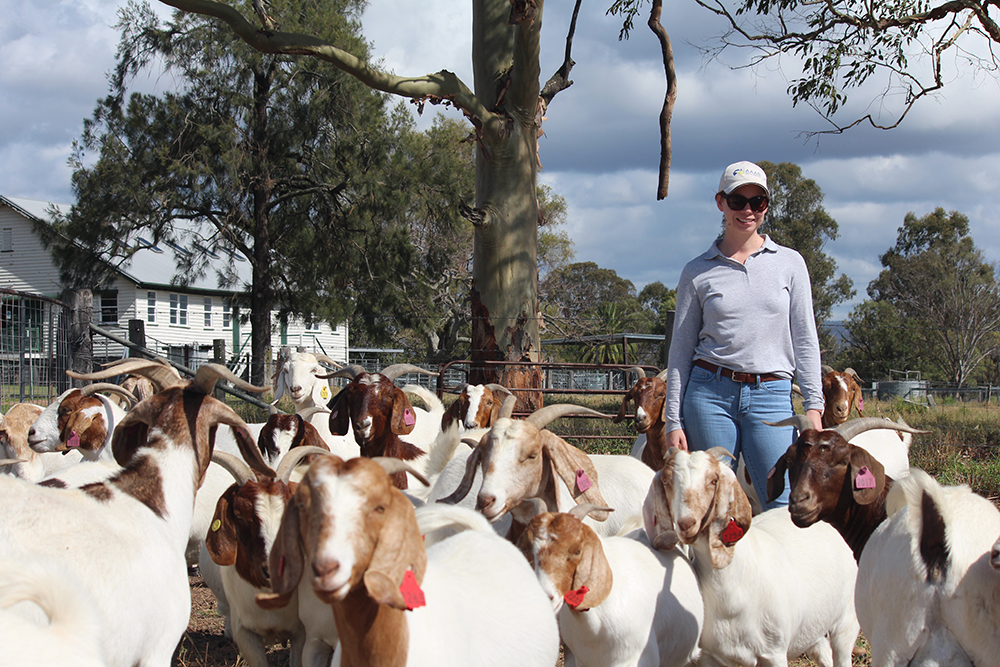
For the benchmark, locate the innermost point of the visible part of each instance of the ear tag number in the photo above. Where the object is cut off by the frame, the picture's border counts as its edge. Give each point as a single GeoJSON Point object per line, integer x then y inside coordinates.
{"type": "Point", "coordinates": [865, 479]}
{"type": "Point", "coordinates": [413, 596]}
{"type": "Point", "coordinates": [408, 418]}
{"type": "Point", "coordinates": [583, 481]}
{"type": "Point", "coordinates": [732, 534]}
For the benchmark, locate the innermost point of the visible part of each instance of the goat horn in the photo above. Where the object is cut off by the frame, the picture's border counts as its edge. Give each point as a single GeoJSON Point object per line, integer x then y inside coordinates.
{"type": "Point", "coordinates": [394, 371]}
{"type": "Point", "coordinates": [796, 389]}
{"type": "Point", "coordinates": [393, 465]}
{"type": "Point", "coordinates": [494, 387]}
{"type": "Point", "coordinates": [306, 413]}
{"type": "Point", "coordinates": [507, 407]}
{"type": "Point", "coordinates": [826, 370]}
{"type": "Point", "coordinates": [718, 452]}
{"type": "Point", "coordinates": [853, 373]}
{"type": "Point", "coordinates": [350, 371]}
{"type": "Point", "coordinates": [327, 360]}
{"type": "Point", "coordinates": [292, 458]}
{"type": "Point", "coordinates": [236, 466]}
{"type": "Point", "coordinates": [583, 509]}
{"type": "Point", "coordinates": [544, 416]}
{"type": "Point", "coordinates": [471, 442]}
{"type": "Point", "coordinates": [208, 375]}
{"type": "Point", "coordinates": [92, 389]}
{"type": "Point", "coordinates": [7, 462]}
{"type": "Point", "coordinates": [272, 409]}
{"type": "Point", "coordinates": [663, 374]}
{"type": "Point", "coordinates": [800, 422]}
{"type": "Point", "coordinates": [162, 377]}
{"type": "Point", "coordinates": [849, 429]}
{"type": "Point", "coordinates": [640, 373]}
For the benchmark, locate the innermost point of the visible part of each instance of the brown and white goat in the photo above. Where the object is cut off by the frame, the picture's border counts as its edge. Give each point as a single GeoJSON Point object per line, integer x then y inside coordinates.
{"type": "Point", "coordinates": [833, 480]}
{"type": "Point", "coordinates": [468, 599]}
{"type": "Point", "coordinates": [30, 465]}
{"type": "Point", "coordinates": [379, 413]}
{"type": "Point", "coordinates": [649, 396]}
{"type": "Point", "coordinates": [477, 406]}
{"type": "Point", "coordinates": [521, 459]}
{"type": "Point", "coordinates": [841, 394]}
{"type": "Point", "coordinates": [136, 524]}
{"type": "Point", "coordinates": [80, 419]}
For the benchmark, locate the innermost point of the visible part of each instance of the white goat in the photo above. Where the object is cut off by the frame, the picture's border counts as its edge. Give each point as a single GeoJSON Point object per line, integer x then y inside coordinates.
{"type": "Point", "coordinates": [472, 598]}
{"type": "Point", "coordinates": [304, 379]}
{"type": "Point", "coordinates": [625, 604]}
{"type": "Point", "coordinates": [476, 406]}
{"type": "Point", "coordinates": [31, 466]}
{"type": "Point", "coordinates": [520, 460]}
{"type": "Point", "coordinates": [67, 636]}
{"type": "Point", "coordinates": [926, 592]}
{"type": "Point", "coordinates": [772, 591]}
{"type": "Point", "coordinates": [136, 524]}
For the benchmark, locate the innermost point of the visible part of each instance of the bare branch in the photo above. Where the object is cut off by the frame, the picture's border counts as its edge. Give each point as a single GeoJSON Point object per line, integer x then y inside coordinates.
{"type": "Point", "coordinates": [669, 98]}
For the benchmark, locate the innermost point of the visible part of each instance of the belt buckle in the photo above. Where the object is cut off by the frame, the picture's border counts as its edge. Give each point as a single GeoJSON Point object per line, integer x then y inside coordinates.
{"type": "Point", "coordinates": [742, 377]}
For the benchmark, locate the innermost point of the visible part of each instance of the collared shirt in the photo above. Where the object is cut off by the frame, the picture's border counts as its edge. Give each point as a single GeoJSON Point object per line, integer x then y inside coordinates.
{"type": "Point", "coordinates": [755, 317]}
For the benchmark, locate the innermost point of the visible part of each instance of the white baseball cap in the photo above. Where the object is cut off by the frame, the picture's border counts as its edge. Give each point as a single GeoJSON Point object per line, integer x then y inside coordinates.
{"type": "Point", "coordinates": [742, 173]}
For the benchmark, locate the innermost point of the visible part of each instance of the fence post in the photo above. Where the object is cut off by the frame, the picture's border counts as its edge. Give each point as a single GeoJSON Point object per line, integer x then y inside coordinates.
{"type": "Point", "coordinates": [219, 357]}
{"type": "Point", "coordinates": [81, 345]}
{"type": "Point", "coordinates": [137, 335]}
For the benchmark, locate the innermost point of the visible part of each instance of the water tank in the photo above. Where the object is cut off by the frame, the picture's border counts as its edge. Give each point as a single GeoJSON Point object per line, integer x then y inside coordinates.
{"type": "Point", "coordinates": [911, 390]}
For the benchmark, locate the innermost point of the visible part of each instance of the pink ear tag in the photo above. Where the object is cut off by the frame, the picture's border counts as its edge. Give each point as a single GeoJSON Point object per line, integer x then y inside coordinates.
{"type": "Point", "coordinates": [864, 479]}
{"type": "Point", "coordinates": [408, 417]}
{"type": "Point", "coordinates": [861, 404]}
{"type": "Point", "coordinates": [74, 440]}
{"type": "Point", "coordinates": [413, 596]}
{"type": "Point", "coordinates": [732, 534]}
{"type": "Point", "coordinates": [575, 598]}
{"type": "Point", "coordinates": [583, 481]}
{"type": "Point", "coordinates": [770, 473]}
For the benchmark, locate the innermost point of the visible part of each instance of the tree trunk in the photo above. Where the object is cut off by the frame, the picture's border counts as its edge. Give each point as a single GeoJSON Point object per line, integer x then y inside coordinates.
{"type": "Point", "coordinates": [504, 273]}
{"type": "Point", "coordinates": [261, 292]}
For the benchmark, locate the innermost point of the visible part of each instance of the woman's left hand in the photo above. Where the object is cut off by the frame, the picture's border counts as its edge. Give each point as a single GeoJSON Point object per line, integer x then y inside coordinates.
{"type": "Point", "coordinates": [816, 417]}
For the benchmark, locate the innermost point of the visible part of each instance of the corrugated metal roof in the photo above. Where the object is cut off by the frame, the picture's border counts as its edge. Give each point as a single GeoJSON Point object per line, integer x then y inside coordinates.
{"type": "Point", "coordinates": [156, 265]}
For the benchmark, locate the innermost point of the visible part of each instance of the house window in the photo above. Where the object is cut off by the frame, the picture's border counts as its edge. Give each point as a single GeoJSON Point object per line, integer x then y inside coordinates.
{"type": "Point", "coordinates": [109, 307]}
{"type": "Point", "coordinates": [208, 312]}
{"type": "Point", "coordinates": [178, 309]}
{"type": "Point", "coordinates": [226, 314]}
{"type": "Point", "coordinates": [7, 239]}
{"type": "Point", "coordinates": [150, 306]}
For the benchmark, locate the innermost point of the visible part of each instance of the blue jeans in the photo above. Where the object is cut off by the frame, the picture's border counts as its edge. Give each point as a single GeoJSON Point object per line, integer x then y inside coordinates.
{"type": "Point", "coordinates": [719, 412]}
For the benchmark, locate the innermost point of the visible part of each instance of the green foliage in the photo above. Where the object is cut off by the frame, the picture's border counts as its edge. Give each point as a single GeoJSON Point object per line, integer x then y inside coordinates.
{"type": "Point", "coordinates": [879, 339]}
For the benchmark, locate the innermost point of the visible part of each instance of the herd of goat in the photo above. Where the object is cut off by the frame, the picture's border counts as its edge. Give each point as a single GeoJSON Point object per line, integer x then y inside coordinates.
{"type": "Point", "coordinates": [365, 530]}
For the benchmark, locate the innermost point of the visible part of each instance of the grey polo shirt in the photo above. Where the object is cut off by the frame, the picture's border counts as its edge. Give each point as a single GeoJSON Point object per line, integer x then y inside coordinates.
{"type": "Point", "coordinates": [755, 317]}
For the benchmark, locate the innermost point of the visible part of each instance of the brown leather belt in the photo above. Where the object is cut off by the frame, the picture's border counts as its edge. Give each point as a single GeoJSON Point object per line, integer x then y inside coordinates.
{"type": "Point", "coordinates": [737, 376]}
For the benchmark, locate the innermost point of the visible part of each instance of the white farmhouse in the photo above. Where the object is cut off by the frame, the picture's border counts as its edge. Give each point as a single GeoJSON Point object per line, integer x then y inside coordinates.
{"type": "Point", "coordinates": [180, 322]}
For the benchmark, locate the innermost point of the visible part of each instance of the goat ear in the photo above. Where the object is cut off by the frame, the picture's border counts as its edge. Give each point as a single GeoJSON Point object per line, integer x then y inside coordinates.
{"type": "Point", "coordinates": [776, 477]}
{"type": "Point", "coordinates": [657, 518]}
{"type": "Point", "coordinates": [340, 414]}
{"type": "Point", "coordinates": [398, 548]}
{"type": "Point", "coordinates": [465, 485]}
{"type": "Point", "coordinates": [403, 418]}
{"type": "Point", "coordinates": [221, 538]}
{"type": "Point", "coordinates": [593, 571]}
{"type": "Point", "coordinates": [451, 414]}
{"type": "Point", "coordinates": [730, 520]}
{"type": "Point", "coordinates": [867, 476]}
{"type": "Point", "coordinates": [618, 418]}
{"type": "Point", "coordinates": [286, 560]}
{"type": "Point", "coordinates": [133, 430]}
{"type": "Point", "coordinates": [576, 470]}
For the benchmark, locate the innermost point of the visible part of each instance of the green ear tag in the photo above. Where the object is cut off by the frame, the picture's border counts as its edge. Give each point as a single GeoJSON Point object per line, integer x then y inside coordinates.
{"type": "Point", "coordinates": [217, 524]}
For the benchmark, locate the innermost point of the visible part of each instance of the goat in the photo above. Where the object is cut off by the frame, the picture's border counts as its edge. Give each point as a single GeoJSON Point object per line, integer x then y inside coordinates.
{"type": "Point", "coordinates": [521, 459]}
{"type": "Point", "coordinates": [771, 591]}
{"type": "Point", "coordinates": [68, 633]}
{"type": "Point", "coordinates": [841, 393]}
{"type": "Point", "coordinates": [477, 406]}
{"type": "Point", "coordinates": [137, 522]}
{"type": "Point", "coordinates": [29, 465]}
{"type": "Point", "coordinates": [380, 414]}
{"type": "Point", "coordinates": [834, 480]}
{"type": "Point", "coordinates": [467, 599]}
{"type": "Point", "coordinates": [625, 604]}
{"type": "Point", "coordinates": [301, 376]}
{"type": "Point", "coordinates": [926, 592]}
{"type": "Point", "coordinates": [649, 396]}
{"type": "Point", "coordinates": [243, 530]}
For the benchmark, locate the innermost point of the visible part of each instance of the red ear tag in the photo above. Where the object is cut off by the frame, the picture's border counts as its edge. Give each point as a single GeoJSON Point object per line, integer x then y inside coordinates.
{"type": "Point", "coordinates": [583, 481]}
{"type": "Point", "coordinates": [575, 598]}
{"type": "Point", "coordinates": [413, 596]}
{"type": "Point", "coordinates": [408, 417]}
{"type": "Point", "coordinates": [732, 533]}
{"type": "Point", "coordinates": [74, 440]}
{"type": "Point", "coordinates": [865, 479]}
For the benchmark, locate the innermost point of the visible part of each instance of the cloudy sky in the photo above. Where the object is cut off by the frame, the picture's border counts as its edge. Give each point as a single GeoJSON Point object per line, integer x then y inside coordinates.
{"type": "Point", "coordinates": [600, 149]}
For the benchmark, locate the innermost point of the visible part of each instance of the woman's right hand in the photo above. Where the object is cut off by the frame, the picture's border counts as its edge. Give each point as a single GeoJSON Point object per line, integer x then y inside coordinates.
{"type": "Point", "coordinates": [677, 439]}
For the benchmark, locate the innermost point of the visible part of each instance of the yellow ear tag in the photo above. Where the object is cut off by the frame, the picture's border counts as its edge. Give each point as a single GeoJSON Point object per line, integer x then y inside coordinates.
{"type": "Point", "coordinates": [217, 524]}
{"type": "Point", "coordinates": [324, 393]}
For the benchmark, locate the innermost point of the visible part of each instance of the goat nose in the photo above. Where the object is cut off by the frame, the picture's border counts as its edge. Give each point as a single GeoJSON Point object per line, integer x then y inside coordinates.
{"type": "Point", "coordinates": [483, 502]}
{"type": "Point", "coordinates": [325, 568]}
{"type": "Point", "coordinates": [686, 524]}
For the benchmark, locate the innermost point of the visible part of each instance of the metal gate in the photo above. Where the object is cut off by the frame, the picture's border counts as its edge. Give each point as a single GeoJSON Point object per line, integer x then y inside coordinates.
{"type": "Point", "coordinates": [34, 352]}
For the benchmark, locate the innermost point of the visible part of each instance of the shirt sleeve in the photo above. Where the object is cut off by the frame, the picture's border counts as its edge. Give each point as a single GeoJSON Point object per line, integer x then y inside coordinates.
{"type": "Point", "coordinates": [805, 340]}
{"type": "Point", "coordinates": [687, 328]}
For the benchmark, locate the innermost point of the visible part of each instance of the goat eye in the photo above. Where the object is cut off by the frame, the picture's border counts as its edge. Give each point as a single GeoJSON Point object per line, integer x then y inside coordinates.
{"type": "Point", "coordinates": [380, 509]}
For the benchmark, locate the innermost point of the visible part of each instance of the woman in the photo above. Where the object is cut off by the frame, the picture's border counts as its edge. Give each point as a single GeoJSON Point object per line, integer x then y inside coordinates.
{"type": "Point", "coordinates": [744, 328]}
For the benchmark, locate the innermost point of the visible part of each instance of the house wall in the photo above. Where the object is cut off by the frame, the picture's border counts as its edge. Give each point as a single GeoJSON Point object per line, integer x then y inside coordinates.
{"type": "Point", "coordinates": [27, 266]}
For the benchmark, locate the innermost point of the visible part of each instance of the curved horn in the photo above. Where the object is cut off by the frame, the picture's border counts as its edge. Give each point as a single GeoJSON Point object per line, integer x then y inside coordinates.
{"type": "Point", "coordinates": [718, 452]}
{"type": "Point", "coordinates": [796, 389]}
{"type": "Point", "coordinates": [854, 374]}
{"type": "Point", "coordinates": [162, 377]}
{"type": "Point", "coordinates": [499, 388]}
{"type": "Point", "coordinates": [393, 465]}
{"type": "Point", "coordinates": [236, 466]}
{"type": "Point", "coordinates": [7, 462]}
{"type": "Point", "coordinates": [306, 413]}
{"type": "Point", "coordinates": [395, 370]}
{"type": "Point", "coordinates": [663, 374]}
{"type": "Point", "coordinates": [544, 416]}
{"type": "Point", "coordinates": [208, 374]}
{"type": "Point", "coordinates": [583, 509]}
{"type": "Point", "coordinates": [272, 409]}
{"type": "Point", "coordinates": [507, 407]}
{"type": "Point", "coordinates": [852, 428]}
{"type": "Point", "coordinates": [351, 371]}
{"type": "Point", "coordinates": [292, 458]}
{"type": "Point", "coordinates": [92, 389]}
{"type": "Point", "coordinates": [327, 360]}
{"type": "Point", "coordinates": [800, 422]}
{"type": "Point", "coordinates": [640, 373]}
{"type": "Point", "coordinates": [826, 370]}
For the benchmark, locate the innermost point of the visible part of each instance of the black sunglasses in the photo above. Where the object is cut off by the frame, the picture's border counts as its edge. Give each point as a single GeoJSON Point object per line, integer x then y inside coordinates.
{"type": "Point", "coordinates": [738, 202]}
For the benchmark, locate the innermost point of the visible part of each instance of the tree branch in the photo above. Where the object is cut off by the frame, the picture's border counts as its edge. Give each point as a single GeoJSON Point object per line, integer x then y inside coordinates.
{"type": "Point", "coordinates": [669, 98]}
